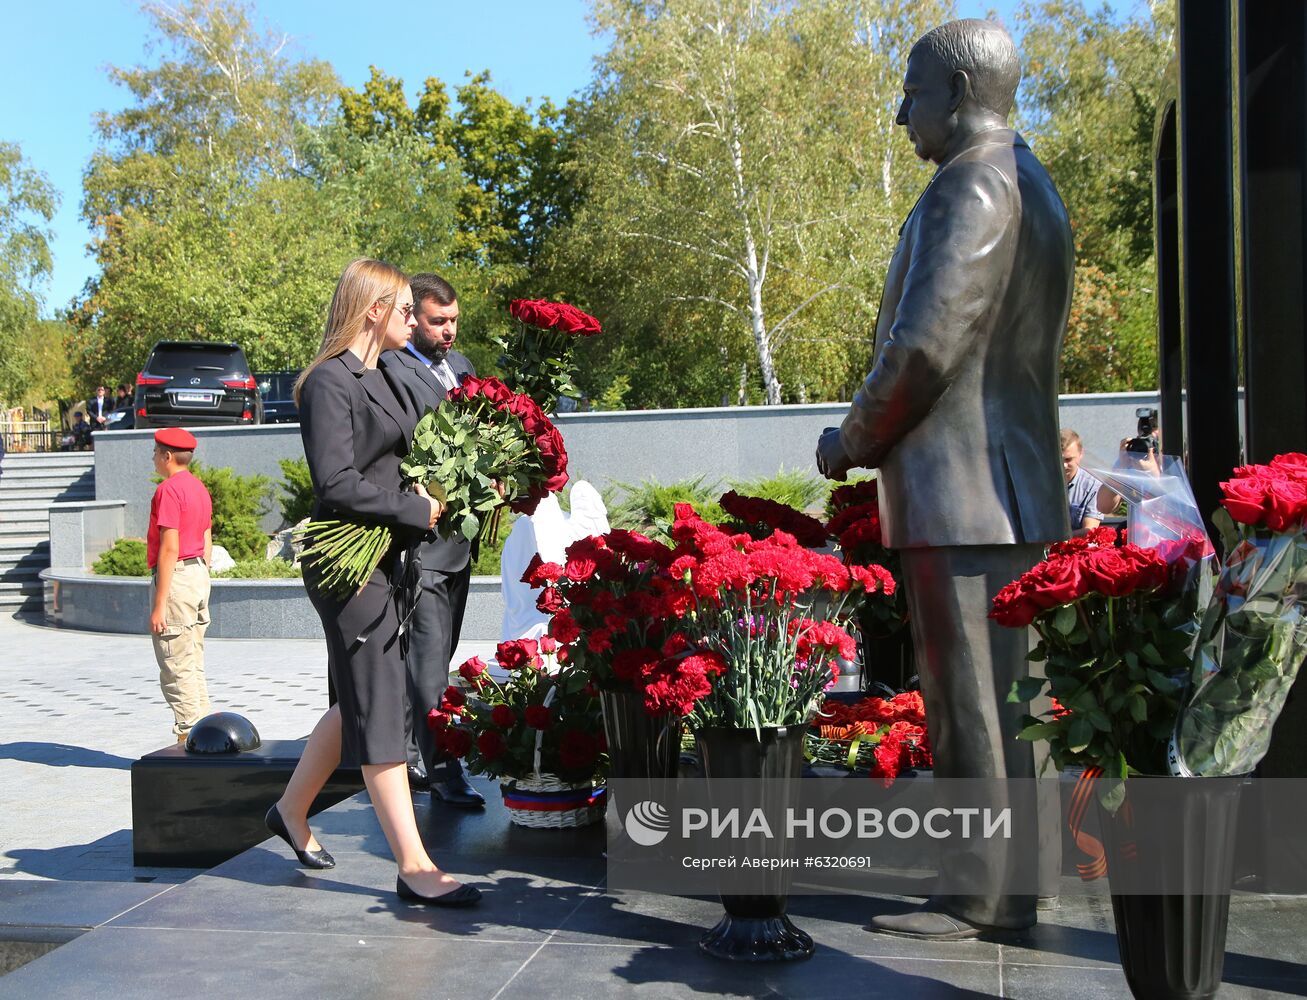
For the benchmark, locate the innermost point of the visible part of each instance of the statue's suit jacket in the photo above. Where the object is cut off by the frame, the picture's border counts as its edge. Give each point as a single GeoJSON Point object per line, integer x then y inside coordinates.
{"type": "Point", "coordinates": [959, 411]}
{"type": "Point", "coordinates": [418, 390]}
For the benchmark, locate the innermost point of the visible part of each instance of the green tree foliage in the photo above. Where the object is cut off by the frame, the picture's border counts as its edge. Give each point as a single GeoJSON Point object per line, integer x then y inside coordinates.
{"type": "Point", "coordinates": [739, 198]}
{"type": "Point", "coordinates": [27, 204]}
{"type": "Point", "coordinates": [501, 189]}
{"type": "Point", "coordinates": [1088, 101]}
{"type": "Point", "coordinates": [126, 557]}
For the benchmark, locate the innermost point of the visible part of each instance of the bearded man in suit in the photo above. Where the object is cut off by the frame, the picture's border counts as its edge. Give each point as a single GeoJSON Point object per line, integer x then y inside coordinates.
{"type": "Point", "coordinates": [959, 414]}
{"type": "Point", "coordinates": [422, 375]}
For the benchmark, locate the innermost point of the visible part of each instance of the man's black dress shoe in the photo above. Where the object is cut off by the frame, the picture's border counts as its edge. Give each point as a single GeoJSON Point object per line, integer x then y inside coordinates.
{"type": "Point", "coordinates": [309, 859]}
{"type": "Point", "coordinates": [453, 788]}
{"type": "Point", "coordinates": [464, 895]}
{"type": "Point", "coordinates": [417, 778]}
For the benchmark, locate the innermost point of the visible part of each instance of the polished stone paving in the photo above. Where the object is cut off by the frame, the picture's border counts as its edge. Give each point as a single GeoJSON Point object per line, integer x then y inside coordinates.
{"type": "Point", "coordinates": [259, 925]}
{"type": "Point", "coordinates": [79, 708]}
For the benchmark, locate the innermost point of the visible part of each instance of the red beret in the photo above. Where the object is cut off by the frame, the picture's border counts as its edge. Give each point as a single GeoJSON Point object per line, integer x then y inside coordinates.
{"type": "Point", "coordinates": [177, 438]}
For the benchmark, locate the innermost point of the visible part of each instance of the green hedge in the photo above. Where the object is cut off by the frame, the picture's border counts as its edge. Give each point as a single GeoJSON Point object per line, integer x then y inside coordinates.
{"type": "Point", "coordinates": [125, 558]}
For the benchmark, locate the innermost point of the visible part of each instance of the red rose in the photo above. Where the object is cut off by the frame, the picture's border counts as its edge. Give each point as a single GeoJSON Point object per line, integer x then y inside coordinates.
{"type": "Point", "coordinates": [472, 668]}
{"type": "Point", "coordinates": [453, 742]}
{"type": "Point", "coordinates": [630, 664]}
{"type": "Point", "coordinates": [1056, 581]}
{"type": "Point", "coordinates": [564, 627]}
{"type": "Point", "coordinates": [517, 654]}
{"type": "Point", "coordinates": [436, 719]}
{"type": "Point", "coordinates": [503, 717]}
{"type": "Point", "coordinates": [491, 745]}
{"type": "Point", "coordinates": [538, 572]}
{"type": "Point", "coordinates": [1294, 463]}
{"type": "Point", "coordinates": [1245, 500]}
{"type": "Point", "coordinates": [548, 645]}
{"type": "Point", "coordinates": [539, 717]}
{"type": "Point", "coordinates": [1014, 606]}
{"type": "Point", "coordinates": [577, 750]}
{"type": "Point", "coordinates": [454, 698]}
{"type": "Point", "coordinates": [1286, 502]}
{"type": "Point", "coordinates": [1109, 572]}
{"type": "Point", "coordinates": [549, 601]}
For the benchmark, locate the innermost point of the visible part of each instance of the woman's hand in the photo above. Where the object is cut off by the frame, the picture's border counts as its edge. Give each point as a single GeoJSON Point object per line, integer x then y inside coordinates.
{"type": "Point", "coordinates": [437, 508]}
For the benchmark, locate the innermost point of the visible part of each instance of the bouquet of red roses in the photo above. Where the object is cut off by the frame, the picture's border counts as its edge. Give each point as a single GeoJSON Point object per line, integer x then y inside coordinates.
{"type": "Point", "coordinates": [1115, 624]}
{"type": "Point", "coordinates": [760, 517]}
{"type": "Point", "coordinates": [537, 359]}
{"type": "Point", "coordinates": [611, 604]}
{"type": "Point", "coordinates": [536, 724]}
{"type": "Point", "coordinates": [1253, 636]}
{"type": "Point", "coordinates": [482, 439]}
{"type": "Point", "coordinates": [853, 521]}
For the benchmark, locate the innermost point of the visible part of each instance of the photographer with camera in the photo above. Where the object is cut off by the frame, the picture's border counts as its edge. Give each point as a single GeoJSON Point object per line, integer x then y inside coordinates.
{"type": "Point", "coordinates": [1141, 452]}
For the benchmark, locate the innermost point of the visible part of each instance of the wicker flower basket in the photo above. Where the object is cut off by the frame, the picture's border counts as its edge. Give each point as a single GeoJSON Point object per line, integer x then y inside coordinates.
{"type": "Point", "coordinates": [543, 802]}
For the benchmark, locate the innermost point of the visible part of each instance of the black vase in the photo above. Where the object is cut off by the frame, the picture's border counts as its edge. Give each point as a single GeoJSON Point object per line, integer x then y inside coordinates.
{"type": "Point", "coordinates": [1172, 941]}
{"type": "Point", "coordinates": [887, 657]}
{"type": "Point", "coordinates": [755, 927]}
{"type": "Point", "coordinates": [641, 747]}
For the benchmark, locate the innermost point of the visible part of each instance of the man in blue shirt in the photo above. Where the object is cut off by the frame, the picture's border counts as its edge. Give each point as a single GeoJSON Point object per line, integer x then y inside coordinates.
{"type": "Point", "coordinates": [1081, 487]}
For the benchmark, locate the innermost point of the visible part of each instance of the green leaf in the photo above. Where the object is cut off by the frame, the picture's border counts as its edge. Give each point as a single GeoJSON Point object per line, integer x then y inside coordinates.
{"type": "Point", "coordinates": [1065, 620]}
{"type": "Point", "coordinates": [1080, 733]}
{"type": "Point", "coordinates": [470, 527]}
{"type": "Point", "coordinates": [1025, 689]}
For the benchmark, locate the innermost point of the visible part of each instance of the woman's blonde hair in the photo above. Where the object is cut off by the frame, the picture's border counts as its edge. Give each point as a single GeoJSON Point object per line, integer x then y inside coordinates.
{"type": "Point", "coordinates": [364, 282]}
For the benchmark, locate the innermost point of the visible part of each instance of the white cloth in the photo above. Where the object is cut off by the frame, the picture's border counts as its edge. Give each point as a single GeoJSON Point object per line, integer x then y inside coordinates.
{"type": "Point", "coordinates": [548, 532]}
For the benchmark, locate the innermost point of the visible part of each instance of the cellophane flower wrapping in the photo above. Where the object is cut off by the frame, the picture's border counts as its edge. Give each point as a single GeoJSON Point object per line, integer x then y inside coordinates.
{"type": "Point", "coordinates": [1253, 635]}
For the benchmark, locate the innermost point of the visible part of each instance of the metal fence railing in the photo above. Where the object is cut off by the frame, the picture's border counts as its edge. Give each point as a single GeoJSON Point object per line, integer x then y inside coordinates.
{"type": "Point", "coordinates": [29, 435]}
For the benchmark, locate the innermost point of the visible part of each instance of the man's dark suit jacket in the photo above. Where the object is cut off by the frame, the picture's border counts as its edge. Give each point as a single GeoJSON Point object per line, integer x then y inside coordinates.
{"type": "Point", "coordinates": [959, 411]}
{"type": "Point", "coordinates": [419, 390]}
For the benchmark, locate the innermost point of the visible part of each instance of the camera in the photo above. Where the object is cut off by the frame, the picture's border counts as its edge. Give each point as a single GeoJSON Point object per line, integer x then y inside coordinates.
{"type": "Point", "coordinates": [1144, 441]}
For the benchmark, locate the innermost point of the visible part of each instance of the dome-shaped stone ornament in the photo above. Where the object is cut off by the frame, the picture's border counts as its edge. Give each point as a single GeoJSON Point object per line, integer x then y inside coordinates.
{"type": "Point", "coordinates": [223, 732]}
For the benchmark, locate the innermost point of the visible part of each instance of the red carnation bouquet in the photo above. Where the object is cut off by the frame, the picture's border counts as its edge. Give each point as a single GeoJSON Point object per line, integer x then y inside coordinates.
{"type": "Point", "coordinates": [883, 735]}
{"type": "Point", "coordinates": [759, 637]}
{"type": "Point", "coordinates": [1115, 624]}
{"type": "Point", "coordinates": [535, 725]}
{"type": "Point", "coordinates": [482, 434]}
{"type": "Point", "coordinates": [853, 521]}
{"type": "Point", "coordinates": [611, 603]}
{"type": "Point", "coordinates": [1253, 636]}
{"type": "Point", "coordinates": [537, 358]}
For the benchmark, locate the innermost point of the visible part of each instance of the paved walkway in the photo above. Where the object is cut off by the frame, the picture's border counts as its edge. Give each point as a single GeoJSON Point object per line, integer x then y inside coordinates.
{"type": "Point", "coordinates": [76, 708]}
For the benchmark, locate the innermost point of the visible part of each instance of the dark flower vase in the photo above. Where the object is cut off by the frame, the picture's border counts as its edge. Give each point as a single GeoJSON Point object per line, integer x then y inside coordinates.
{"type": "Point", "coordinates": [641, 747]}
{"type": "Point", "coordinates": [755, 927]}
{"type": "Point", "coordinates": [1172, 944]}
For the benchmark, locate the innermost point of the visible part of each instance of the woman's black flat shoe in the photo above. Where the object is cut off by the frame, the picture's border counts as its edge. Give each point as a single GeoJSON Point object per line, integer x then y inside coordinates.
{"type": "Point", "coordinates": [309, 859]}
{"type": "Point", "coordinates": [464, 895]}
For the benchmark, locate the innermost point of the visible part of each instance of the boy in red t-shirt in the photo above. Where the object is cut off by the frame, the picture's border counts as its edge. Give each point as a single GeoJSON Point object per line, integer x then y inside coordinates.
{"type": "Point", "coordinates": [178, 549]}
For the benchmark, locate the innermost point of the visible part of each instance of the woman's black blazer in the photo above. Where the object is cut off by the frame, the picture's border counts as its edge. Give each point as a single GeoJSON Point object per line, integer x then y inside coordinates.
{"type": "Point", "coordinates": [355, 434]}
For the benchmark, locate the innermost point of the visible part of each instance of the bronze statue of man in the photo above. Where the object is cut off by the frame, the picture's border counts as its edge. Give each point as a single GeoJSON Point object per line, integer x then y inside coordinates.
{"type": "Point", "coordinates": [959, 414]}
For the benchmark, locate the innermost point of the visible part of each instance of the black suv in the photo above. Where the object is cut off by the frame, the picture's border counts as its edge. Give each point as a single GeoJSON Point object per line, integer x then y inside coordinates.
{"type": "Point", "coordinates": [193, 384]}
{"type": "Point", "coordinates": [278, 392]}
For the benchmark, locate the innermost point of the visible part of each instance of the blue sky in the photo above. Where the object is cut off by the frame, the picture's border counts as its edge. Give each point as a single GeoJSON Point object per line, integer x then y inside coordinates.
{"type": "Point", "coordinates": [53, 75]}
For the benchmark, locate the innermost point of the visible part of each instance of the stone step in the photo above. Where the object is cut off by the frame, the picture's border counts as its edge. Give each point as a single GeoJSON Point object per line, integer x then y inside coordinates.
{"type": "Point", "coordinates": [11, 473]}
{"type": "Point", "coordinates": [23, 543]}
{"type": "Point", "coordinates": [44, 496]}
{"type": "Point", "coordinates": [50, 459]}
{"type": "Point", "coordinates": [22, 573]}
{"type": "Point", "coordinates": [20, 502]}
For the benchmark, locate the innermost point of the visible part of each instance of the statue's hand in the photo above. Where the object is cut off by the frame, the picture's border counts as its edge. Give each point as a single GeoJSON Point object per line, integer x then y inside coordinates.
{"type": "Point", "coordinates": [832, 461]}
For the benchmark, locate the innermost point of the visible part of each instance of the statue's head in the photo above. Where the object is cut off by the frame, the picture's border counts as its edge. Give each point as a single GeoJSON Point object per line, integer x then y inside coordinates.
{"type": "Point", "coordinates": [961, 77]}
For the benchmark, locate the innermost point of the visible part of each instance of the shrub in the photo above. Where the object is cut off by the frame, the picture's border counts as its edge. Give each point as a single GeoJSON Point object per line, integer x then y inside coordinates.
{"type": "Point", "coordinates": [487, 560]}
{"type": "Point", "coordinates": [238, 504]}
{"type": "Point", "coordinates": [795, 489]}
{"type": "Point", "coordinates": [650, 506]}
{"type": "Point", "coordinates": [297, 490]}
{"type": "Point", "coordinates": [260, 569]}
{"type": "Point", "coordinates": [125, 558]}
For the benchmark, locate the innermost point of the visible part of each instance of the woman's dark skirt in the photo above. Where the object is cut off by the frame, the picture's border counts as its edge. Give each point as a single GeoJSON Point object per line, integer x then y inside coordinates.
{"type": "Point", "coordinates": [368, 678]}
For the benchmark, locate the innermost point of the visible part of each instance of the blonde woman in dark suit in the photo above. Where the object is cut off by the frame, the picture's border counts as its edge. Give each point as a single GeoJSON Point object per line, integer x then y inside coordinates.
{"type": "Point", "coordinates": [355, 434]}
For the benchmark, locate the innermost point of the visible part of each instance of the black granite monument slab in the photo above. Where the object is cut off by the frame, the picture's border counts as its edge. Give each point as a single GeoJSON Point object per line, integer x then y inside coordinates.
{"type": "Point", "coordinates": [198, 810]}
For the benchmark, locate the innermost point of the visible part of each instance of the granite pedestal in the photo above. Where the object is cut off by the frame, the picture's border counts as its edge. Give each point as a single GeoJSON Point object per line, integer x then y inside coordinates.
{"type": "Point", "coordinates": [198, 810]}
